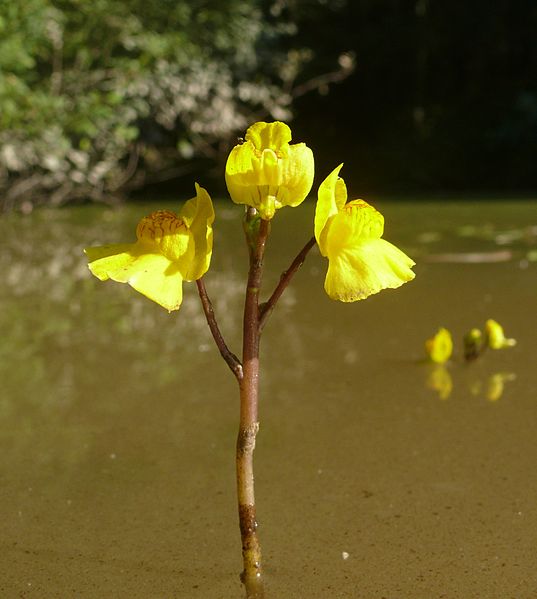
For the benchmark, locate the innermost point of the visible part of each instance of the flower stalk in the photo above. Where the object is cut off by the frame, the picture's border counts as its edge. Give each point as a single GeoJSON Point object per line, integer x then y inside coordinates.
{"type": "Point", "coordinates": [230, 358]}
{"type": "Point", "coordinates": [249, 422]}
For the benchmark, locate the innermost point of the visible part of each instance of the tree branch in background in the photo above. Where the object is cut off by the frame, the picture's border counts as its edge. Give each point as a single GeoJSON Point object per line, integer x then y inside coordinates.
{"type": "Point", "coordinates": [346, 62]}
{"type": "Point", "coordinates": [130, 170]}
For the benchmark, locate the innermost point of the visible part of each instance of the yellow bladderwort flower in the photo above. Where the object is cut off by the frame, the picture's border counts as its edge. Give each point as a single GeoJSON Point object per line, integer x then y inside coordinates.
{"type": "Point", "coordinates": [266, 172]}
{"type": "Point", "coordinates": [440, 347]}
{"type": "Point", "coordinates": [170, 248]}
{"type": "Point", "coordinates": [495, 336]}
{"type": "Point", "coordinates": [473, 344]}
{"type": "Point", "coordinates": [360, 263]}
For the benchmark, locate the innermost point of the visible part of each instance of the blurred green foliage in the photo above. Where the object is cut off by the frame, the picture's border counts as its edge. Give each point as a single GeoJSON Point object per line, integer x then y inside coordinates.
{"type": "Point", "coordinates": [101, 97]}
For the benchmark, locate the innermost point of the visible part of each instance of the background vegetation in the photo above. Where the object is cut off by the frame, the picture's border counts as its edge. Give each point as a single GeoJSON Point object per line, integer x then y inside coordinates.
{"type": "Point", "coordinates": [101, 97]}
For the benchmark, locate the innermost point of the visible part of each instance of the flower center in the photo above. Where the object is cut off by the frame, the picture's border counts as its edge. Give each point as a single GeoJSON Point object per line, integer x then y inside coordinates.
{"type": "Point", "coordinates": [159, 224]}
{"type": "Point", "coordinates": [165, 233]}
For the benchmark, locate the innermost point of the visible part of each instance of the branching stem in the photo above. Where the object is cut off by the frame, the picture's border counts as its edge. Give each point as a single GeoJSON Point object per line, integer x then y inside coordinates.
{"type": "Point", "coordinates": [285, 279]}
{"type": "Point", "coordinates": [231, 359]}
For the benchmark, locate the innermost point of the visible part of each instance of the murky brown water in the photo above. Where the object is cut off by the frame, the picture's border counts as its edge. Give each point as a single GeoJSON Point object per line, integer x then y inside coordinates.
{"type": "Point", "coordinates": [118, 421]}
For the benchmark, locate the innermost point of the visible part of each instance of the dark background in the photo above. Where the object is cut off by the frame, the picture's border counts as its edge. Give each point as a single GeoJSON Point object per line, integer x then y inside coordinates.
{"type": "Point", "coordinates": [443, 97]}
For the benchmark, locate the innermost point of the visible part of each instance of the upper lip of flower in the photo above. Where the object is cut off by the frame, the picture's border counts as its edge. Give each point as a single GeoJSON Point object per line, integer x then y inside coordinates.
{"type": "Point", "coordinates": [266, 172]}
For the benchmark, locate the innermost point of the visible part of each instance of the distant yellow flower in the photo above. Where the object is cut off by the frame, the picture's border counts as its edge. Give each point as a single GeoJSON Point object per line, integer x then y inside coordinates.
{"type": "Point", "coordinates": [170, 248]}
{"type": "Point", "coordinates": [266, 172]}
{"type": "Point", "coordinates": [473, 344]}
{"type": "Point", "coordinates": [495, 336]}
{"type": "Point", "coordinates": [440, 347]}
{"type": "Point", "coordinates": [360, 263]}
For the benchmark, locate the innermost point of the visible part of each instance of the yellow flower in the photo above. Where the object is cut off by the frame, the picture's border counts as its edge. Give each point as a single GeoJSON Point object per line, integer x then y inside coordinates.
{"type": "Point", "coordinates": [440, 347]}
{"type": "Point", "coordinates": [266, 172]}
{"type": "Point", "coordinates": [170, 248]}
{"type": "Point", "coordinates": [495, 336]}
{"type": "Point", "coordinates": [473, 344]}
{"type": "Point", "coordinates": [360, 263]}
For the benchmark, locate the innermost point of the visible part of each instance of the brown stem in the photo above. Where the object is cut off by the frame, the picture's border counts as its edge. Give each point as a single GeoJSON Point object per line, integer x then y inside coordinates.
{"type": "Point", "coordinates": [285, 279]}
{"type": "Point", "coordinates": [249, 424]}
{"type": "Point", "coordinates": [231, 359]}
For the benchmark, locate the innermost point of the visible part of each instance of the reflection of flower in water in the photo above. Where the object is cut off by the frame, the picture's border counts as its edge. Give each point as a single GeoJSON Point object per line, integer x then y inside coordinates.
{"type": "Point", "coordinates": [440, 380]}
{"type": "Point", "coordinates": [68, 397]}
{"type": "Point", "coordinates": [495, 386]}
{"type": "Point", "coordinates": [46, 287]}
{"type": "Point", "coordinates": [496, 383]}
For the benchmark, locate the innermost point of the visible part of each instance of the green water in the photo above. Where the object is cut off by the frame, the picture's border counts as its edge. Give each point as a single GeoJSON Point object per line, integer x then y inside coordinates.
{"type": "Point", "coordinates": [118, 421]}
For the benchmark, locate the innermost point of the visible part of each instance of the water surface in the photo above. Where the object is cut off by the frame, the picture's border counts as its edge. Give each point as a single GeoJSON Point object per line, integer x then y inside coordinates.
{"type": "Point", "coordinates": [377, 475]}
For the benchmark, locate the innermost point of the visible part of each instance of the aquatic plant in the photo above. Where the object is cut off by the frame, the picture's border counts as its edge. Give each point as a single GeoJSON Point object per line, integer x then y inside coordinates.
{"type": "Point", "coordinates": [475, 342]}
{"type": "Point", "coordinates": [495, 336]}
{"type": "Point", "coordinates": [264, 173]}
{"type": "Point", "coordinates": [492, 337]}
{"type": "Point", "coordinates": [440, 347]}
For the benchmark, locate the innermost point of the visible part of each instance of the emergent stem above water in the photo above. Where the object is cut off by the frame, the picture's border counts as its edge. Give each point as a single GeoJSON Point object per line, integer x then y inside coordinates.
{"type": "Point", "coordinates": [249, 424]}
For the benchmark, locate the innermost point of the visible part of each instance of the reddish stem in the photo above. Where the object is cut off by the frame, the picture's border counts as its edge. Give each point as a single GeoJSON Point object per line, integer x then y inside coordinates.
{"type": "Point", "coordinates": [249, 424]}
{"type": "Point", "coordinates": [285, 279]}
{"type": "Point", "coordinates": [231, 359]}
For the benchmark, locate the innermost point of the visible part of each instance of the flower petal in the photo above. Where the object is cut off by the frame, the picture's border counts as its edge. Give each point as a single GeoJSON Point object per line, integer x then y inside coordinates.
{"type": "Point", "coordinates": [440, 347]}
{"type": "Point", "coordinates": [117, 256]}
{"type": "Point", "coordinates": [158, 279]}
{"type": "Point", "coordinates": [263, 135]}
{"type": "Point", "coordinates": [297, 175]}
{"type": "Point", "coordinates": [241, 178]}
{"type": "Point", "coordinates": [327, 206]}
{"type": "Point", "coordinates": [354, 224]}
{"type": "Point", "coordinates": [495, 336]}
{"type": "Point", "coordinates": [355, 273]}
{"type": "Point", "coordinates": [200, 207]}
{"type": "Point", "coordinates": [153, 275]}
{"type": "Point", "coordinates": [198, 214]}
